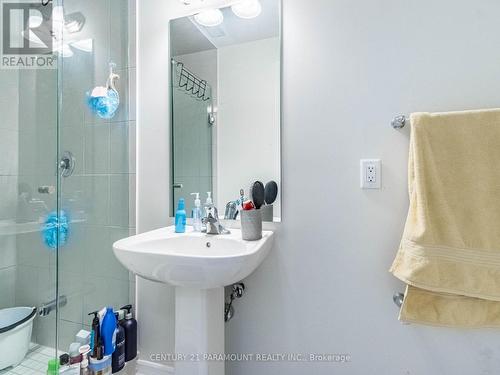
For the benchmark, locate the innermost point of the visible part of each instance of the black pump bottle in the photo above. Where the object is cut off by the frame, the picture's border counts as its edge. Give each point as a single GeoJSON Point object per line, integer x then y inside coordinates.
{"type": "Point", "coordinates": [129, 324]}
{"type": "Point", "coordinates": [96, 333]}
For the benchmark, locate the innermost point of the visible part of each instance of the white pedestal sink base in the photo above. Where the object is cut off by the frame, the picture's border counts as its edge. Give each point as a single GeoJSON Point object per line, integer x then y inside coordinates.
{"type": "Point", "coordinates": [199, 330]}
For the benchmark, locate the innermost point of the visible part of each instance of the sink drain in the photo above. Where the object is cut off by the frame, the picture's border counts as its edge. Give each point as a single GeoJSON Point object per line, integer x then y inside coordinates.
{"type": "Point", "coordinates": [208, 244]}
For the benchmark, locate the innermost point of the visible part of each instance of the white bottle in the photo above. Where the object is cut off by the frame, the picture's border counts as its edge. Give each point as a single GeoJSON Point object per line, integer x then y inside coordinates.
{"type": "Point", "coordinates": [209, 203]}
{"type": "Point", "coordinates": [84, 366]}
{"type": "Point", "coordinates": [196, 213]}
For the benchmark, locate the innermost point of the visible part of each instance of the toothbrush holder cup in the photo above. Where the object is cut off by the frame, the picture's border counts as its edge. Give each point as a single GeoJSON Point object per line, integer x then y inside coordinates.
{"type": "Point", "coordinates": [267, 212]}
{"type": "Point", "coordinates": [251, 225]}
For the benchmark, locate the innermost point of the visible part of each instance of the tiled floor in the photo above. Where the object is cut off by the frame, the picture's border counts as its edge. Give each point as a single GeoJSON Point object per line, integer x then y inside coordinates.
{"type": "Point", "coordinates": [35, 362]}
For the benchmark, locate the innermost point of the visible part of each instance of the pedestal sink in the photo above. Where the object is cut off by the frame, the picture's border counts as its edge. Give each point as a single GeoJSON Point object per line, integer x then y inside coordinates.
{"type": "Point", "coordinates": [199, 266]}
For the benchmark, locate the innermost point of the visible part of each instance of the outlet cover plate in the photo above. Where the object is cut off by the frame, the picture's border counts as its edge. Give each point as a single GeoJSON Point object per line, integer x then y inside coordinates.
{"type": "Point", "coordinates": [370, 174]}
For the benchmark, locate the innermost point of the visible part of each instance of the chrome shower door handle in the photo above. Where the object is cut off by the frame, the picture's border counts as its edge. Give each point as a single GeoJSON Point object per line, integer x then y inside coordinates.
{"type": "Point", "coordinates": [67, 164]}
{"type": "Point", "coordinates": [177, 186]}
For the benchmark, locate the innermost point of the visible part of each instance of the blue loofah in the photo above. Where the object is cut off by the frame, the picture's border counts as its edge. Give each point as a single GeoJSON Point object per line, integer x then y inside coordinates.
{"type": "Point", "coordinates": [104, 106]}
{"type": "Point", "coordinates": [50, 226]}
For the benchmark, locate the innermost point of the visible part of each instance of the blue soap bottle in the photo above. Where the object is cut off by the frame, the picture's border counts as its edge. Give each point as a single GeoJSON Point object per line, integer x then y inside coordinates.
{"type": "Point", "coordinates": [180, 217]}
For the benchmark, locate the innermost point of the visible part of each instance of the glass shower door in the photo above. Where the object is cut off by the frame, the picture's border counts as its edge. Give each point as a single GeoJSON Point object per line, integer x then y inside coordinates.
{"type": "Point", "coordinates": [28, 215]}
{"type": "Point", "coordinates": [67, 182]}
{"type": "Point", "coordinates": [98, 197]}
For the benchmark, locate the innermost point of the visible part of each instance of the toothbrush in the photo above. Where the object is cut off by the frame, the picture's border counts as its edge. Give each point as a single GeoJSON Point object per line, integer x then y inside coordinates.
{"type": "Point", "coordinates": [242, 197]}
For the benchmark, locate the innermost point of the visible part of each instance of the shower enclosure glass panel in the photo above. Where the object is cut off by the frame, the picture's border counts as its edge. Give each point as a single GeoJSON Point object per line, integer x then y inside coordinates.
{"type": "Point", "coordinates": [192, 132]}
{"type": "Point", "coordinates": [70, 272]}
{"type": "Point", "coordinates": [28, 203]}
{"type": "Point", "coordinates": [99, 195]}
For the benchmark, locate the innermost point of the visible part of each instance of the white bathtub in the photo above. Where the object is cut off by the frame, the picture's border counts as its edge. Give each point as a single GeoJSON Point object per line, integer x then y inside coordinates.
{"type": "Point", "coordinates": [16, 324]}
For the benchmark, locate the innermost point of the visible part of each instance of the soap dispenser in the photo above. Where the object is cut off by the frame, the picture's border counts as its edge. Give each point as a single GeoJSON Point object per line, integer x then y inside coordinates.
{"type": "Point", "coordinates": [209, 202]}
{"type": "Point", "coordinates": [180, 217]}
{"type": "Point", "coordinates": [196, 213]}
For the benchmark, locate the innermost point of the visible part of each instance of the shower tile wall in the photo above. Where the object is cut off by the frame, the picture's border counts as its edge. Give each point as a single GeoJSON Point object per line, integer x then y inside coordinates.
{"type": "Point", "coordinates": [9, 130]}
{"type": "Point", "coordinates": [99, 197]}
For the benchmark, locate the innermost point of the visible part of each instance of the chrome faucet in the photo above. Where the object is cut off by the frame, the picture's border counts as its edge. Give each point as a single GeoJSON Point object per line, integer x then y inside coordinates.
{"type": "Point", "coordinates": [231, 210]}
{"type": "Point", "coordinates": [212, 222]}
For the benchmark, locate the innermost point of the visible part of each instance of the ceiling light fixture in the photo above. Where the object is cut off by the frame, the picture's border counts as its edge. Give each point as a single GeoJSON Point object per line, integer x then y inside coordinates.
{"type": "Point", "coordinates": [247, 9]}
{"type": "Point", "coordinates": [209, 17]}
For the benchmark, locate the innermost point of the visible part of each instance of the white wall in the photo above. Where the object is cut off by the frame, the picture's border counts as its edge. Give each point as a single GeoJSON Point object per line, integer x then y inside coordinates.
{"type": "Point", "coordinates": [155, 309]}
{"type": "Point", "coordinates": [248, 118]}
{"type": "Point", "coordinates": [155, 301]}
{"type": "Point", "coordinates": [349, 68]}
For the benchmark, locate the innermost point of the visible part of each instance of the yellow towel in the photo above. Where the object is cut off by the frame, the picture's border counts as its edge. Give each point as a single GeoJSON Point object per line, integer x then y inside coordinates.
{"type": "Point", "coordinates": [450, 250]}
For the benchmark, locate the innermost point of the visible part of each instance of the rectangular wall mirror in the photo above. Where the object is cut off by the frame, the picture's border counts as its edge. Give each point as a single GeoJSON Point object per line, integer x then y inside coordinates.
{"type": "Point", "coordinates": [226, 106]}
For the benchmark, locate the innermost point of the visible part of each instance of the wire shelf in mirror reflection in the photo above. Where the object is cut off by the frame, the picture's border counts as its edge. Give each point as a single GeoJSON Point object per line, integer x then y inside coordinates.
{"type": "Point", "coordinates": [191, 83]}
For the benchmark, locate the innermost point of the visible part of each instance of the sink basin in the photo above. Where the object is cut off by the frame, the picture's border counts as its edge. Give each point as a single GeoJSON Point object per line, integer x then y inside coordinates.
{"type": "Point", "coordinates": [199, 266]}
{"type": "Point", "coordinates": [192, 259]}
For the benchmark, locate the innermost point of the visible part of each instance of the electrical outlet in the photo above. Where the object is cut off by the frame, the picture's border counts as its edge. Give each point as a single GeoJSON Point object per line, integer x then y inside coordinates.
{"type": "Point", "coordinates": [371, 176]}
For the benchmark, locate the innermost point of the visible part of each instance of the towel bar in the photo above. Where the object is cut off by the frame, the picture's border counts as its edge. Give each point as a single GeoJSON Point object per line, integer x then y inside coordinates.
{"type": "Point", "coordinates": [399, 122]}
{"type": "Point", "coordinates": [398, 299]}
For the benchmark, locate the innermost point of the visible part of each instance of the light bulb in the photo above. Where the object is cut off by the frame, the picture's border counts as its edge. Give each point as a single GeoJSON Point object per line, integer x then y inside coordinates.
{"type": "Point", "coordinates": [247, 9]}
{"type": "Point", "coordinates": [209, 17]}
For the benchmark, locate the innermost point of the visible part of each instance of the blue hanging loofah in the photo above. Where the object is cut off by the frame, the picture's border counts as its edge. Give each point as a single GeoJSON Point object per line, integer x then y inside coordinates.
{"type": "Point", "coordinates": [50, 226]}
{"type": "Point", "coordinates": [104, 106]}
{"type": "Point", "coordinates": [104, 101]}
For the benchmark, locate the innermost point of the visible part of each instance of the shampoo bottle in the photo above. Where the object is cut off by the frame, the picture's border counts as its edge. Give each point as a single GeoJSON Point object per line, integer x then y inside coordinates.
{"type": "Point", "coordinates": [180, 217]}
{"type": "Point", "coordinates": [196, 213]}
{"type": "Point", "coordinates": [108, 331]}
{"type": "Point", "coordinates": [130, 327]}
{"type": "Point", "coordinates": [118, 358]}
